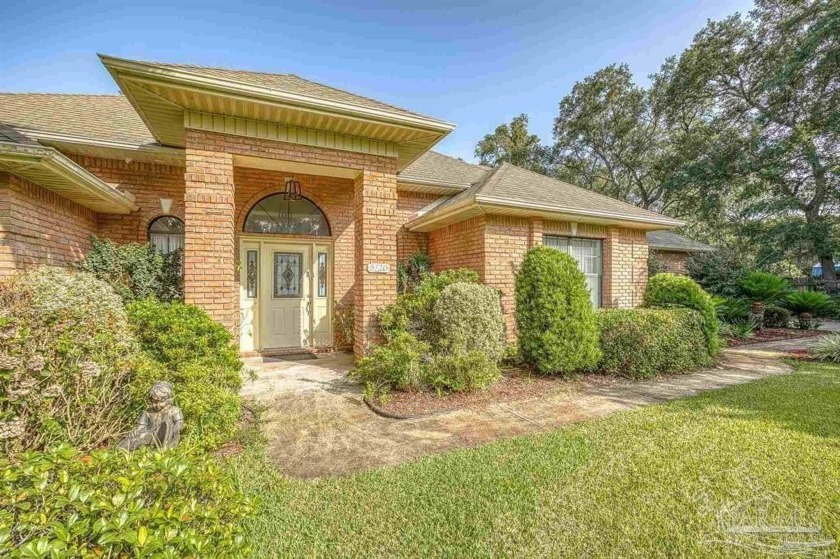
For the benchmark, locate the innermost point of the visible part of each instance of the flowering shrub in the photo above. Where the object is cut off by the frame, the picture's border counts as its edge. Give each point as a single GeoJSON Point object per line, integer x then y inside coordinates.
{"type": "Point", "coordinates": [66, 357]}
{"type": "Point", "coordinates": [61, 504]}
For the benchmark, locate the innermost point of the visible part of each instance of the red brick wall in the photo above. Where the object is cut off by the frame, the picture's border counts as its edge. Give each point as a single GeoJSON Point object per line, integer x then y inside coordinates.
{"type": "Point", "coordinates": [409, 242]}
{"type": "Point", "coordinates": [459, 245]}
{"type": "Point", "coordinates": [39, 227]}
{"type": "Point", "coordinates": [148, 182]}
{"type": "Point", "coordinates": [673, 261]}
{"type": "Point", "coordinates": [505, 242]}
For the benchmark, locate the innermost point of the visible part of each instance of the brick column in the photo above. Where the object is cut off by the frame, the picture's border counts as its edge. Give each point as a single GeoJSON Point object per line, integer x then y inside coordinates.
{"type": "Point", "coordinates": [209, 268]}
{"type": "Point", "coordinates": [624, 267]}
{"type": "Point", "coordinates": [535, 232]}
{"type": "Point", "coordinates": [375, 222]}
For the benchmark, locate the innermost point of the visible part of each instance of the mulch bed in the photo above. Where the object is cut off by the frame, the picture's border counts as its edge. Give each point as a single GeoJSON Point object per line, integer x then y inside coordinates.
{"type": "Point", "coordinates": [774, 335]}
{"type": "Point", "coordinates": [515, 384]}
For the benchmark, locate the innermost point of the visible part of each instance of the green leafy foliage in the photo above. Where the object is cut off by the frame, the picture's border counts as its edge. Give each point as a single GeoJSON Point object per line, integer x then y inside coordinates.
{"type": "Point", "coordinates": [62, 504]}
{"type": "Point", "coordinates": [412, 272]}
{"type": "Point", "coordinates": [468, 318]}
{"type": "Point", "coordinates": [557, 327]}
{"type": "Point", "coordinates": [719, 272]}
{"type": "Point", "coordinates": [397, 364]}
{"type": "Point", "coordinates": [669, 290]}
{"type": "Point", "coordinates": [458, 372]}
{"type": "Point", "coordinates": [742, 329]}
{"type": "Point", "coordinates": [641, 343]}
{"type": "Point", "coordinates": [66, 358]}
{"type": "Point", "coordinates": [764, 287]}
{"type": "Point", "coordinates": [135, 271]}
{"type": "Point", "coordinates": [186, 347]}
{"type": "Point", "coordinates": [512, 143]}
{"type": "Point", "coordinates": [344, 321]}
{"type": "Point", "coordinates": [731, 310]}
{"type": "Point", "coordinates": [412, 311]}
{"type": "Point", "coordinates": [776, 317]}
{"type": "Point", "coordinates": [828, 348]}
{"type": "Point", "coordinates": [810, 302]}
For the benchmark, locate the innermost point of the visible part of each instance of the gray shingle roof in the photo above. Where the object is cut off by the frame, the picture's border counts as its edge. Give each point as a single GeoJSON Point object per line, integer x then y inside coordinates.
{"type": "Point", "coordinates": [436, 167]}
{"type": "Point", "coordinates": [668, 240]}
{"type": "Point", "coordinates": [509, 184]}
{"type": "Point", "coordinates": [289, 83]}
{"type": "Point", "coordinates": [96, 117]}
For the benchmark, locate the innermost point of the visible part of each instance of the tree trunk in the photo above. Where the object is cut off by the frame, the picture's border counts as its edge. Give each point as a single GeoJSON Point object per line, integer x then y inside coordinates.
{"type": "Point", "coordinates": [819, 244]}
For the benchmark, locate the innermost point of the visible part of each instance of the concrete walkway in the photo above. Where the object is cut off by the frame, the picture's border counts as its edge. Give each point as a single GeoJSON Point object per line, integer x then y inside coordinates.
{"type": "Point", "coordinates": [318, 424]}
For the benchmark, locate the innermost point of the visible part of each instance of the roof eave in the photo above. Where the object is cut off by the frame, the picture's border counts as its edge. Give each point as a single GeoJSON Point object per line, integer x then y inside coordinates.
{"type": "Point", "coordinates": [680, 249]}
{"type": "Point", "coordinates": [109, 199]}
{"type": "Point", "coordinates": [219, 85]}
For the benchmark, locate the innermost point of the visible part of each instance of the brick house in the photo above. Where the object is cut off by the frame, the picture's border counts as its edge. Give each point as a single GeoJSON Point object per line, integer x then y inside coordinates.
{"type": "Point", "coordinates": [673, 250]}
{"type": "Point", "coordinates": [288, 198]}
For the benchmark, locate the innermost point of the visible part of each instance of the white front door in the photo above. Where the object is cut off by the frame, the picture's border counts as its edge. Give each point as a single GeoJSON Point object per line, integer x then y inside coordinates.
{"type": "Point", "coordinates": [285, 296]}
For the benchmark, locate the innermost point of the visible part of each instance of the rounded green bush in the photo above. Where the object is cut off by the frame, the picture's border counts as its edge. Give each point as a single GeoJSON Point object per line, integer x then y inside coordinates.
{"type": "Point", "coordinates": [184, 346]}
{"type": "Point", "coordinates": [558, 332]}
{"type": "Point", "coordinates": [397, 364]}
{"type": "Point", "coordinates": [460, 372]}
{"type": "Point", "coordinates": [641, 343]}
{"type": "Point", "coordinates": [60, 503]}
{"type": "Point", "coordinates": [669, 290]}
{"type": "Point", "coordinates": [66, 359]}
{"type": "Point", "coordinates": [776, 317]}
{"type": "Point", "coordinates": [468, 317]}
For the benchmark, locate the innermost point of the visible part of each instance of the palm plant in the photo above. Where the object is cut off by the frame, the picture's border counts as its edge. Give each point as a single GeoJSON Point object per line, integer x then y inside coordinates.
{"type": "Point", "coordinates": [805, 304]}
{"type": "Point", "coordinates": [762, 288]}
{"type": "Point", "coordinates": [731, 310]}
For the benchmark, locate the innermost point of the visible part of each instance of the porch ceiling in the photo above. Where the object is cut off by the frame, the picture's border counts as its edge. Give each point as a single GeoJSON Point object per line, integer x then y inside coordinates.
{"type": "Point", "coordinates": [162, 94]}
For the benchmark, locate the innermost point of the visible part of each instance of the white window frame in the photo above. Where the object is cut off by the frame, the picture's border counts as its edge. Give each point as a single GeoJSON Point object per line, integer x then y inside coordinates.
{"type": "Point", "coordinates": [594, 280]}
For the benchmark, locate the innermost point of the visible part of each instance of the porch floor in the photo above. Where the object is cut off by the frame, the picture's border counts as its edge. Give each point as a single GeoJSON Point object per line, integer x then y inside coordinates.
{"type": "Point", "coordinates": [318, 425]}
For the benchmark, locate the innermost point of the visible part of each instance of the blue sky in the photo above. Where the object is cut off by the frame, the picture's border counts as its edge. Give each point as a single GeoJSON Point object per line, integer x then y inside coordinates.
{"type": "Point", "coordinates": [475, 65]}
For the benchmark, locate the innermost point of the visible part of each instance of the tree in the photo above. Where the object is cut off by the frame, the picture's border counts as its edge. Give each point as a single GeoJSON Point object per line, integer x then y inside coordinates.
{"type": "Point", "coordinates": [512, 143]}
{"type": "Point", "coordinates": [773, 78]}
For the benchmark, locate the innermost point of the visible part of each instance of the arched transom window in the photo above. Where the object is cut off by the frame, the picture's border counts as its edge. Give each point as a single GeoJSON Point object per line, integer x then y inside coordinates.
{"type": "Point", "coordinates": [278, 214]}
{"type": "Point", "coordinates": [166, 233]}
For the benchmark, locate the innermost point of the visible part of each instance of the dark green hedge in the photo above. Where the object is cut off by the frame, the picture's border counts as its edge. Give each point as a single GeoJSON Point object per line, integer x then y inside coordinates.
{"type": "Point", "coordinates": [641, 343]}
{"type": "Point", "coordinates": [669, 291]}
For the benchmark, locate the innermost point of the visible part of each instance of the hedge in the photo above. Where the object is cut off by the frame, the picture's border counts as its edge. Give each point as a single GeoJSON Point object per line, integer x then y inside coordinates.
{"type": "Point", "coordinates": [641, 343]}
{"type": "Point", "coordinates": [669, 290]}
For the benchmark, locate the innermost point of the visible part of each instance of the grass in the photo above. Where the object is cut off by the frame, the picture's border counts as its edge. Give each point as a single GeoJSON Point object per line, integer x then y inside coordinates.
{"type": "Point", "coordinates": [654, 482]}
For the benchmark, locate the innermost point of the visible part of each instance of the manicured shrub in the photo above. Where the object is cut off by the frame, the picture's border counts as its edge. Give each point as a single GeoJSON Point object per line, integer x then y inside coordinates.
{"type": "Point", "coordinates": [828, 348]}
{"type": "Point", "coordinates": [66, 358]}
{"type": "Point", "coordinates": [558, 332]}
{"type": "Point", "coordinates": [135, 271]}
{"type": "Point", "coordinates": [776, 317]}
{"type": "Point", "coordinates": [398, 364]}
{"type": "Point", "coordinates": [63, 504]}
{"type": "Point", "coordinates": [641, 343]}
{"type": "Point", "coordinates": [186, 347]}
{"type": "Point", "coordinates": [807, 304]}
{"type": "Point", "coordinates": [459, 372]}
{"type": "Point", "coordinates": [412, 311]}
{"type": "Point", "coordinates": [669, 290]}
{"type": "Point", "coordinates": [468, 317]}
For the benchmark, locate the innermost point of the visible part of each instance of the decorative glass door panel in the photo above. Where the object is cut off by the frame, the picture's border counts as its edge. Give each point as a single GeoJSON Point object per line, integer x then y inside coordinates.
{"type": "Point", "coordinates": [288, 274]}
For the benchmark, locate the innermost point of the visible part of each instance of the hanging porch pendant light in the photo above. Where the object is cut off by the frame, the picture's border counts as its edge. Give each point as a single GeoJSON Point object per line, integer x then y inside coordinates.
{"type": "Point", "coordinates": [292, 189]}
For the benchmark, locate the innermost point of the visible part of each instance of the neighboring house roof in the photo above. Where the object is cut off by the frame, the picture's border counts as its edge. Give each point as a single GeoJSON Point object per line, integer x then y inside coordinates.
{"type": "Point", "coordinates": [439, 169]}
{"type": "Point", "coordinates": [668, 240]}
{"type": "Point", "coordinates": [519, 191]}
{"type": "Point", "coordinates": [95, 117]}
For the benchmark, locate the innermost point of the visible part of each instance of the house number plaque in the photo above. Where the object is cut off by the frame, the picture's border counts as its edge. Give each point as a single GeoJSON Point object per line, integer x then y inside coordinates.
{"type": "Point", "coordinates": [378, 268]}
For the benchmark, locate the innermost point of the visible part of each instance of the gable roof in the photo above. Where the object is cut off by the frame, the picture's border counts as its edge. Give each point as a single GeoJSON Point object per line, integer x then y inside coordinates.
{"type": "Point", "coordinates": [668, 240]}
{"type": "Point", "coordinates": [513, 190]}
{"type": "Point", "coordinates": [289, 83]}
{"type": "Point", "coordinates": [439, 169]}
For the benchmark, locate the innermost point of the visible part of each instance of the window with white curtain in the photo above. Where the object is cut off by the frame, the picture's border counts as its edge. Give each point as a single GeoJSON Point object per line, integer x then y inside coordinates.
{"type": "Point", "coordinates": [587, 252]}
{"type": "Point", "coordinates": [166, 233]}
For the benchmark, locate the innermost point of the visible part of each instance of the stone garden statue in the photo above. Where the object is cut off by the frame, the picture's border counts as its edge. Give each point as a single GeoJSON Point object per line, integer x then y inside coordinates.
{"type": "Point", "coordinates": [160, 425]}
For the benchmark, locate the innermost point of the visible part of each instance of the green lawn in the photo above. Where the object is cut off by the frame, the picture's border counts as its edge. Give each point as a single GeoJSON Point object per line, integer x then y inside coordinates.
{"type": "Point", "coordinates": [647, 483]}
